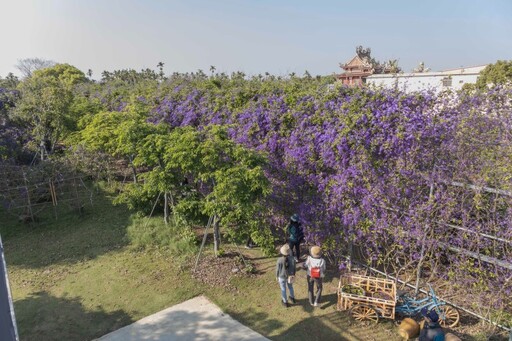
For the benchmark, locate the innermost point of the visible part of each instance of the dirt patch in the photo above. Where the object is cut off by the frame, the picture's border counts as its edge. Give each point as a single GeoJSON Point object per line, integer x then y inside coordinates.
{"type": "Point", "coordinates": [218, 271]}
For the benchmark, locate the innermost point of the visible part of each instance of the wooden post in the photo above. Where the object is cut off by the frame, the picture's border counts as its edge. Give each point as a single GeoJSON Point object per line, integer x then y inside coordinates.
{"type": "Point", "coordinates": [152, 210]}
{"type": "Point", "coordinates": [350, 256]}
{"type": "Point", "coordinates": [423, 242]}
{"type": "Point", "coordinates": [28, 198]}
{"type": "Point", "coordinates": [204, 241]}
{"type": "Point", "coordinates": [419, 267]}
{"type": "Point", "coordinates": [78, 203]}
{"type": "Point", "coordinates": [54, 197]}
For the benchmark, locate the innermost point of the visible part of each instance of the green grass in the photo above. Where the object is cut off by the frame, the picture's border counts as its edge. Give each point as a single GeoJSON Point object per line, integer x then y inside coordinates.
{"type": "Point", "coordinates": [77, 278]}
{"type": "Point", "coordinates": [257, 304]}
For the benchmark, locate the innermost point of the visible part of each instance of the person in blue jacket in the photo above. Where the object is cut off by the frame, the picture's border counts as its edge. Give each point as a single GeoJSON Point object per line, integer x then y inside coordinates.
{"type": "Point", "coordinates": [431, 331]}
{"type": "Point", "coordinates": [295, 235]}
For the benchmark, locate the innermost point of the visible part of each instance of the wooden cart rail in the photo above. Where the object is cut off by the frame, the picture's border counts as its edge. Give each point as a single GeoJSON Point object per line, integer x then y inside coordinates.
{"type": "Point", "coordinates": [370, 284]}
{"type": "Point", "coordinates": [377, 293]}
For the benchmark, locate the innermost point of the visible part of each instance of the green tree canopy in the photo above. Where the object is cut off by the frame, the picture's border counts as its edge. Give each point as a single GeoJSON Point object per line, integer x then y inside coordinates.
{"type": "Point", "coordinates": [118, 133]}
{"type": "Point", "coordinates": [9, 82]}
{"type": "Point", "coordinates": [495, 74]}
{"type": "Point", "coordinates": [45, 103]}
{"type": "Point", "coordinates": [227, 178]}
{"type": "Point", "coordinates": [67, 74]}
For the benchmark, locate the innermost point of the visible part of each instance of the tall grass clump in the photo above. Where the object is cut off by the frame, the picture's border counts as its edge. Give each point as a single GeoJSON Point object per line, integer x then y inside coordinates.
{"type": "Point", "coordinates": [175, 237]}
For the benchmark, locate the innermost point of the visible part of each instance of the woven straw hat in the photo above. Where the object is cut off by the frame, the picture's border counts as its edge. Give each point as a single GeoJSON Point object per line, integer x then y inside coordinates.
{"type": "Point", "coordinates": [316, 251]}
{"type": "Point", "coordinates": [285, 250]}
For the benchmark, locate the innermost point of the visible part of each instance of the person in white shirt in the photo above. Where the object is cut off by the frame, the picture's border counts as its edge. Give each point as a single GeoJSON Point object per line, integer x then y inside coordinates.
{"type": "Point", "coordinates": [315, 266]}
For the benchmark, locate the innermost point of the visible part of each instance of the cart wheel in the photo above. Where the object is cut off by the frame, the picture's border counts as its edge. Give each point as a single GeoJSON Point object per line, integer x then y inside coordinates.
{"type": "Point", "coordinates": [449, 316]}
{"type": "Point", "coordinates": [364, 314]}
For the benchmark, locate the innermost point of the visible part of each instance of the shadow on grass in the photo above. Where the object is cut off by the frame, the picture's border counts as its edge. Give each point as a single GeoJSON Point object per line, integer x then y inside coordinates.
{"type": "Point", "coordinates": [334, 326]}
{"type": "Point", "coordinates": [45, 317]}
{"type": "Point", "coordinates": [258, 320]}
{"type": "Point", "coordinates": [312, 328]}
{"type": "Point", "coordinates": [331, 325]}
{"type": "Point", "coordinates": [69, 238]}
{"type": "Point", "coordinates": [265, 266]}
{"type": "Point", "coordinates": [329, 301]}
{"type": "Point", "coordinates": [259, 258]}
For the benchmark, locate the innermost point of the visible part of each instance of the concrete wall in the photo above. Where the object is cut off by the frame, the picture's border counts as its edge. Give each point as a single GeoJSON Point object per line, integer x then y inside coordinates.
{"type": "Point", "coordinates": [437, 81]}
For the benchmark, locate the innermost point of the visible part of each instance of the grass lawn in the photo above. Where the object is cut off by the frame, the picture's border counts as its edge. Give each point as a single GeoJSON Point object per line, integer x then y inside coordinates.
{"type": "Point", "coordinates": [257, 304]}
{"type": "Point", "coordinates": [77, 278]}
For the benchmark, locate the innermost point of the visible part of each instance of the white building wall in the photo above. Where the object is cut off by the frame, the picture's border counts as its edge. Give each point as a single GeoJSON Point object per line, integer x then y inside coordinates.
{"type": "Point", "coordinates": [436, 81]}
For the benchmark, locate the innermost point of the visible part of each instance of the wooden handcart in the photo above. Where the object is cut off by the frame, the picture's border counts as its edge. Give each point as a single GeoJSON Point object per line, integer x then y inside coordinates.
{"type": "Point", "coordinates": [367, 298]}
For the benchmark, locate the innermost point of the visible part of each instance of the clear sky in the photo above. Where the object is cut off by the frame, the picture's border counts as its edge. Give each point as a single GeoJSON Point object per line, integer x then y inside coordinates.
{"type": "Point", "coordinates": [253, 36]}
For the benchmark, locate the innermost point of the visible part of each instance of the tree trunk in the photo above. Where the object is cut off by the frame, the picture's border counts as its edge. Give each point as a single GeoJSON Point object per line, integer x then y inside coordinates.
{"type": "Point", "coordinates": [350, 256]}
{"type": "Point", "coordinates": [166, 208]}
{"type": "Point", "coordinates": [134, 171]}
{"type": "Point", "coordinates": [216, 235]}
{"type": "Point", "coordinates": [172, 207]}
{"type": "Point", "coordinates": [42, 149]}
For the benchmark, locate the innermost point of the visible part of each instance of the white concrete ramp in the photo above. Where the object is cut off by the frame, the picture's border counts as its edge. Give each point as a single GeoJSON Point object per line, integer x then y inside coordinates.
{"type": "Point", "coordinates": [195, 319]}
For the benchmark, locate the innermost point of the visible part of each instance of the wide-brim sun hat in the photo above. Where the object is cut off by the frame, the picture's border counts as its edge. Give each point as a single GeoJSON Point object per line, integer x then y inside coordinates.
{"type": "Point", "coordinates": [316, 251]}
{"type": "Point", "coordinates": [285, 250]}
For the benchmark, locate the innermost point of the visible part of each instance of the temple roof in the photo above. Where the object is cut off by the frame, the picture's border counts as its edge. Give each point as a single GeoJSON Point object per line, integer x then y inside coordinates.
{"type": "Point", "coordinates": [354, 74]}
{"type": "Point", "coordinates": [357, 62]}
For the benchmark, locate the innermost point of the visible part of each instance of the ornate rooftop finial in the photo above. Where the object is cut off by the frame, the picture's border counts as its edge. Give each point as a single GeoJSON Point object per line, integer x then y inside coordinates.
{"type": "Point", "coordinates": [421, 68]}
{"type": "Point", "coordinates": [363, 53]}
